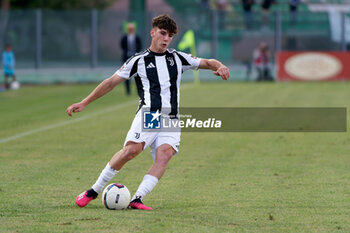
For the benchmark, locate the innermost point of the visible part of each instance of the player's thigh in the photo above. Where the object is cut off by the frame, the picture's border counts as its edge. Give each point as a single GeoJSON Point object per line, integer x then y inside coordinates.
{"type": "Point", "coordinates": [137, 135]}
{"type": "Point", "coordinates": [168, 140]}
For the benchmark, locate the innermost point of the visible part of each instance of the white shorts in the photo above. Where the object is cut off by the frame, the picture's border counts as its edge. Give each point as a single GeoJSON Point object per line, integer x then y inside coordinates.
{"type": "Point", "coordinates": [152, 139]}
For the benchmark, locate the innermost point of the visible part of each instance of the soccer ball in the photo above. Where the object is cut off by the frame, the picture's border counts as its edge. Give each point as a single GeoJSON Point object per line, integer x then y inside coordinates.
{"type": "Point", "coordinates": [15, 85]}
{"type": "Point", "coordinates": [116, 196]}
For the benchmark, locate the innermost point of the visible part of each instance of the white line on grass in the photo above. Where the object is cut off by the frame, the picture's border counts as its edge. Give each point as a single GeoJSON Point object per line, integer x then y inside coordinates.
{"type": "Point", "coordinates": [68, 122]}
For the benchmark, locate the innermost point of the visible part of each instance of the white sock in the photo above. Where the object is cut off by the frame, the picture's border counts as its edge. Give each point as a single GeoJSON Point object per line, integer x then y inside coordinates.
{"type": "Point", "coordinates": [146, 186]}
{"type": "Point", "coordinates": [106, 175]}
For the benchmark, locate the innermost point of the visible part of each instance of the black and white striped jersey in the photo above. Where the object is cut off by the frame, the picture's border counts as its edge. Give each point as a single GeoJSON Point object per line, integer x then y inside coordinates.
{"type": "Point", "coordinates": [158, 77]}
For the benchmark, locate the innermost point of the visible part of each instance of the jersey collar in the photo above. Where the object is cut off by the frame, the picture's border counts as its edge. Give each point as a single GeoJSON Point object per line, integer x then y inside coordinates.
{"type": "Point", "coordinates": [157, 54]}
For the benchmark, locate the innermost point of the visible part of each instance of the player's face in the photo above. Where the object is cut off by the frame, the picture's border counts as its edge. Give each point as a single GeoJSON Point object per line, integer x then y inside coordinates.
{"type": "Point", "coordinates": [161, 39]}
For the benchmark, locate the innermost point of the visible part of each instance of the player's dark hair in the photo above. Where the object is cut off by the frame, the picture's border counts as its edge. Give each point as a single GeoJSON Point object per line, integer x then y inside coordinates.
{"type": "Point", "coordinates": [165, 22]}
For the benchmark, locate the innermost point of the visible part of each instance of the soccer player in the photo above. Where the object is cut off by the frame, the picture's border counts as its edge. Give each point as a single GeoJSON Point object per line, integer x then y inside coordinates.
{"type": "Point", "coordinates": [157, 72]}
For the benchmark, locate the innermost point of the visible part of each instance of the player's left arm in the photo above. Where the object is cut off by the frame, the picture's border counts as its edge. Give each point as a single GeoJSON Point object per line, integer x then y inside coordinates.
{"type": "Point", "coordinates": [216, 66]}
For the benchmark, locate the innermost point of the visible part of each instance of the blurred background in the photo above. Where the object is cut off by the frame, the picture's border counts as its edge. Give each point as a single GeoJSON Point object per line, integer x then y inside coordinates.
{"type": "Point", "coordinates": [79, 41]}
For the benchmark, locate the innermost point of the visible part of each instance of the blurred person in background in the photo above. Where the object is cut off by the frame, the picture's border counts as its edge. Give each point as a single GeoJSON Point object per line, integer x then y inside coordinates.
{"type": "Point", "coordinates": [205, 5]}
{"type": "Point", "coordinates": [8, 62]}
{"type": "Point", "coordinates": [157, 72]}
{"type": "Point", "coordinates": [265, 6]}
{"type": "Point", "coordinates": [261, 59]}
{"type": "Point", "coordinates": [204, 11]}
{"type": "Point", "coordinates": [293, 9]}
{"type": "Point", "coordinates": [248, 14]}
{"type": "Point", "coordinates": [222, 6]}
{"type": "Point", "coordinates": [130, 44]}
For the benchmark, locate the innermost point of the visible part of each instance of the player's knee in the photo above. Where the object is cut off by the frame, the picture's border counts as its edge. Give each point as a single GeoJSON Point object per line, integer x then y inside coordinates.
{"type": "Point", "coordinates": [131, 152]}
{"type": "Point", "coordinates": [164, 156]}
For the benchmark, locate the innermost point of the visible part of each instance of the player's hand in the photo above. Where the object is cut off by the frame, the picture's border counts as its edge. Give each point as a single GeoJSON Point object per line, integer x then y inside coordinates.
{"type": "Point", "coordinates": [78, 107]}
{"type": "Point", "coordinates": [223, 72]}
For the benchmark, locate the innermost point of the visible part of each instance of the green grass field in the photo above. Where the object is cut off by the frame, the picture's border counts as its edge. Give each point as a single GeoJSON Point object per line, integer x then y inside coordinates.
{"type": "Point", "coordinates": [219, 182]}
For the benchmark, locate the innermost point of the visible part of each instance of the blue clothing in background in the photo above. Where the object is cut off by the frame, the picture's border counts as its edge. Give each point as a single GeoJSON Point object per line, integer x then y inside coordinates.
{"type": "Point", "coordinates": [8, 62]}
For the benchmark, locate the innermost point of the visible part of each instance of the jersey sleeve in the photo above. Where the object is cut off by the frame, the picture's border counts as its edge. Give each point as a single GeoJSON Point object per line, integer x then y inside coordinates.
{"type": "Point", "coordinates": [188, 61]}
{"type": "Point", "coordinates": [128, 69]}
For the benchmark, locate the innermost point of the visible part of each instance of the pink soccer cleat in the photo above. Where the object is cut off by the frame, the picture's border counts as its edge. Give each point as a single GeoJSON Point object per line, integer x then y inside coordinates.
{"type": "Point", "coordinates": [137, 204]}
{"type": "Point", "coordinates": [82, 199]}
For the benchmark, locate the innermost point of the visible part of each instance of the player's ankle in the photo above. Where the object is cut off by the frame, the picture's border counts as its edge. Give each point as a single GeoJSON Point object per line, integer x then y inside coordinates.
{"type": "Point", "coordinates": [91, 193]}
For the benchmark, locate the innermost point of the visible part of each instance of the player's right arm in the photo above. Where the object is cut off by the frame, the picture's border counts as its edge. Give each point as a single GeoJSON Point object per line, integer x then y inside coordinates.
{"type": "Point", "coordinates": [102, 89]}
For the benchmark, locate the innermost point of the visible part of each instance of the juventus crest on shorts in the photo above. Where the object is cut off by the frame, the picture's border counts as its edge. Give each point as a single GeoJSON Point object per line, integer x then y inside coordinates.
{"type": "Point", "coordinates": [158, 77]}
